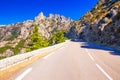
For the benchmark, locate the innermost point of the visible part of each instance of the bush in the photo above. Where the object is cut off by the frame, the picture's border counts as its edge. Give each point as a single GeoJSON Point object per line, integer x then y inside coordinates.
{"type": "Point", "coordinates": [28, 49]}
{"type": "Point", "coordinates": [3, 49]}
{"type": "Point", "coordinates": [18, 47]}
{"type": "Point", "coordinates": [1, 57]}
{"type": "Point", "coordinates": [58, 38]}
{"type": "Point", "coordinates": [36, 41]}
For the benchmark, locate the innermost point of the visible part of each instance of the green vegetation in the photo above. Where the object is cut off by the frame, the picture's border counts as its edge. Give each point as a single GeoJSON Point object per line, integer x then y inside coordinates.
{"type": "Point", "coordinates": [58, 38]}
{"type": "Point", "coordinates": [18, 47]}
{"type": "Point", "coordinates": [16, 50]}
{"type": "Point", "coordinates": [36, 41]}
{"type": "Point", "coordinates": [1, 57]}
{"type": "Point", "coordinates": [3, 49]}
{"type": "Point", "coordinates": [54, 30]}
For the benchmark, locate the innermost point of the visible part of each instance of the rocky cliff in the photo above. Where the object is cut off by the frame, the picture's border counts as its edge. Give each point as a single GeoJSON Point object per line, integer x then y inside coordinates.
{"type": "Point", "coordinates": [46, 26]}
{"type": "Point", "coordinates": [101, 24]}
{"type": "Point", "coordinates": [11, 35]}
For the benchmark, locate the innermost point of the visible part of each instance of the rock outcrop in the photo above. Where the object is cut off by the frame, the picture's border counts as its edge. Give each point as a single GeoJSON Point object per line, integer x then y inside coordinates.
{"type": "Point", "coordinates": [101, 24]}
{"type": "Point", "coordinates": [12, 34]}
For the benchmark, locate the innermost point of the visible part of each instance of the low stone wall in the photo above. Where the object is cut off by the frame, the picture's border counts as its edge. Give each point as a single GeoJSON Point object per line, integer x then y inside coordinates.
{"type": "Point", "coordinates": [7, 62]}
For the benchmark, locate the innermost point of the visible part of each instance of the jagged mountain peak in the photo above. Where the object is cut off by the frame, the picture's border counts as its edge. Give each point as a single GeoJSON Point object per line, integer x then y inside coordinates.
{"type": "Point", "coordinates": [40, 17]}
{"type": "Point", "coordinates": [21, 30]}
{"type": "Point", "coordinates": [13, 34]}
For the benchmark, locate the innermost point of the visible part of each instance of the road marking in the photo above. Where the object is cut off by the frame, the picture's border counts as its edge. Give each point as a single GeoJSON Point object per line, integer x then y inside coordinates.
{"type": "Point", "coordinates": [90, 55]}
{"type": "Point", "coordinates": [100, 68]}
{"type": "Point", "coordinates": [23, 74]}
{"type": "Point", "coordinates": [48, 55]}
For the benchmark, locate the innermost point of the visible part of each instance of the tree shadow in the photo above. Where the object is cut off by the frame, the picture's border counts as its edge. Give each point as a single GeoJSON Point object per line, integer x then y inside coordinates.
{"type": "Point", "coordinates": [90, 45]}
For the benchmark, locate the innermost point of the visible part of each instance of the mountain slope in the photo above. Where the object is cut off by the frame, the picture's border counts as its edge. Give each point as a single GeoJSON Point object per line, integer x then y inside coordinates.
{"type": "Point", "coordinates": [101, 24]}
{"type": "Point", "coordinates": [11, 36]}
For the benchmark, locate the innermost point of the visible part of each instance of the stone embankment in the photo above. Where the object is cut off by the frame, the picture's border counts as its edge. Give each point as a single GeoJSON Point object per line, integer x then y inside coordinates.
{"type": "Point", "coordinates": [10, 61]}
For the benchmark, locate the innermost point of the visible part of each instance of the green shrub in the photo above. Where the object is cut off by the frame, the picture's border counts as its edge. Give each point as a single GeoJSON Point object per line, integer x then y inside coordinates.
{"type": "Point", "coordinates": [28, 49]}
{"type": "Point", "coordinates": [36, 41]}
{"type": "Point", "coordinates": [3, 49]}
{"type": "Point", "coordinates": [58, 38]}
{"type": "Point", "coordinates": [18, 47]}
{"type": "Point", "coordinates": [1, 57]}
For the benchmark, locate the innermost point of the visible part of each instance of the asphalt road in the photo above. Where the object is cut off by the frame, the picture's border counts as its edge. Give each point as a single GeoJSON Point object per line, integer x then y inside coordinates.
{"type": "Point", "coordinates": [75, 61]}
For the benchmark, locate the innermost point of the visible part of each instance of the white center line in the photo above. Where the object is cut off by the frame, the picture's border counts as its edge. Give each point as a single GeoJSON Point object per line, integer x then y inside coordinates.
{"type": "Point", "coordinates": [48, 55]}
{"type": "Point", "coordinates": [90, 55]}
{"type": "Point", "coordinates": [23, 74]}
{"type": "Point", "coordinates": [104, 72]}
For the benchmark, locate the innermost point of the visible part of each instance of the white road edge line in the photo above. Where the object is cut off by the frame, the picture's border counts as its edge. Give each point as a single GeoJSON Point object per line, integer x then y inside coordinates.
{"type": "Point", "coordinates": [100, 68]}
{"type": "Point", "coordinates": [90, 55]}
{"type": "Point", "coordinates": [48, 55]}
{"type": "Point", "coordinates": [23, 74]}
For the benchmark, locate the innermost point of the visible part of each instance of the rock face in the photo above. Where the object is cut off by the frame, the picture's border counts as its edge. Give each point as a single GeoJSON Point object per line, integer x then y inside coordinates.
{"type": "Point", "coordinates": [105, 1]}
{"type": "Point", "coordinates": [13, 31]}
{"type": "Point", "coordinates": [21, 30]}
{"type": "Point", "coordinates": [12, 34]}
{"type": "Point", "coordinates": [101, 24]}
{"type": "Point", "coordinates": [47, 26]}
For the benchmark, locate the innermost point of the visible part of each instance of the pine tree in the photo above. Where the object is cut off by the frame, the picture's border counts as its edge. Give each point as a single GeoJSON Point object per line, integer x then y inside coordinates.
{"type": "Point", "coordinates": [36, 40]}
{"type": "Point", "coordinates": [58, 37]}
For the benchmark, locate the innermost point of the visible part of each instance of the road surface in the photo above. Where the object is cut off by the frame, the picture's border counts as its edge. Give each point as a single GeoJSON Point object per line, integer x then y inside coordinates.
{"type": "Point", "coordinates": [75, 61]}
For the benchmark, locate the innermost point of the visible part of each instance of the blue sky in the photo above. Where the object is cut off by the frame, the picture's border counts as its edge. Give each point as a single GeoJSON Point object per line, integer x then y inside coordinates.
{"type": "Point", "coordinates": [12, 11]}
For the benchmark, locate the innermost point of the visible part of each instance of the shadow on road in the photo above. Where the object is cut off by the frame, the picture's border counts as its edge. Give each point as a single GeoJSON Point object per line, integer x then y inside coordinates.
{"type": "Point", "coordinates": [100, 47]}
